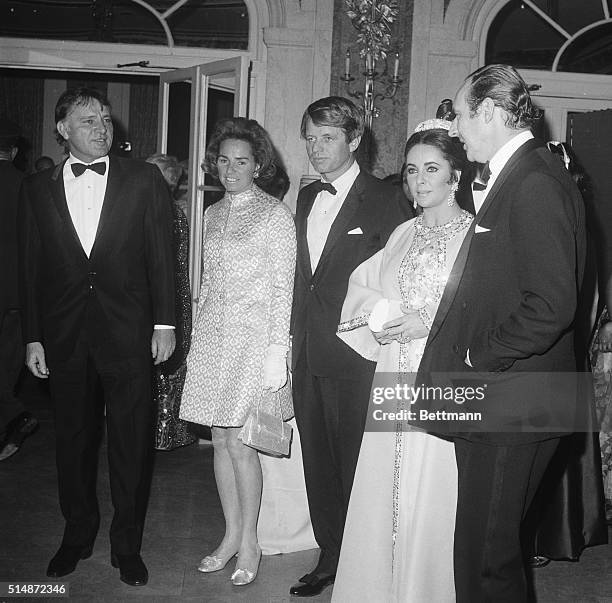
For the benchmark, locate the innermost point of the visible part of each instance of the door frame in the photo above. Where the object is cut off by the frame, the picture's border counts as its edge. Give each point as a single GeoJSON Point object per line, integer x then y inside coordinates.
{"type": "Point", "coordinates": [201, 77]}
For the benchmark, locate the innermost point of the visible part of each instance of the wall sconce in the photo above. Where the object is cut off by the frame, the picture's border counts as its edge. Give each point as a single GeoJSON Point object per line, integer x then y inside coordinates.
{"type": "Point", "coordinates": [371, 76]}
{"type": "Point", "coordinates": [372, 19]}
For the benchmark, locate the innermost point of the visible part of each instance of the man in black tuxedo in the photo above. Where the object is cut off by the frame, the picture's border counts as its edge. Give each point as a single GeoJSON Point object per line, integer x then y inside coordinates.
{"type": "Point", "coordinates": [16, 423]}
{"type": "Point", "coordinates": [97, 289]}
{"type": "Point", "coordinates": [508, 310]}
{"type": "Point", "coordinates": [341, 221]}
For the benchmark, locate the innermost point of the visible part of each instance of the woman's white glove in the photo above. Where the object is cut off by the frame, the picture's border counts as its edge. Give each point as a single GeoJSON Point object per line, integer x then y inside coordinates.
{"type": "Point", "coordinates": [275, 367]}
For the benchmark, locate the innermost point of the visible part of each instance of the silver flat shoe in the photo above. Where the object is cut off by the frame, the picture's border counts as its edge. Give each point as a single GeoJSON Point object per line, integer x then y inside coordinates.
{"type": "Point", "coordinates": [213, 563]}
{"type": "Point", "coordinates": [243, 576]}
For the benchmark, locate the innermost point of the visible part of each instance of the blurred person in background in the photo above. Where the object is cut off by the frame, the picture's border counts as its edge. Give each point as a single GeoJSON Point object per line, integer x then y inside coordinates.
{"type": "Point", "coordinates": [169, 376]}
{"type": "Point", "coordinates": [16, 423]}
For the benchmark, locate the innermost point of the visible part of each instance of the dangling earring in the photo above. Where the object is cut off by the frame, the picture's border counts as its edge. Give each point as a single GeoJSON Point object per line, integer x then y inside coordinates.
{"type": "Point", "coordinates": [451, 195]}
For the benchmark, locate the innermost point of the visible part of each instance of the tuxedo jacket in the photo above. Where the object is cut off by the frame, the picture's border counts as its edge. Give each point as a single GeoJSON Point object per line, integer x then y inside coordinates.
{"type": "Point", "coordinates": [512, 294]}
{"type": "Point", "coordinates": [122, 289]}
{"type": "Point", "coordinates": [373, 209]}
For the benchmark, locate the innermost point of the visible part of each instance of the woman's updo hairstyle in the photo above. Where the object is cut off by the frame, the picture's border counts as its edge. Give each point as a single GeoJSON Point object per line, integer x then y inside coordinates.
{"type": "Point", "coordinates": [434, 132]}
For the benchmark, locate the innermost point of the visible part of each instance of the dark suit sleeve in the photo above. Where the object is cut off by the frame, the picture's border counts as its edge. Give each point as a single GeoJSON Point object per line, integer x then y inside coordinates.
{"type": "Point", "coordinates": [29, 262]}
{"type": "Point", "coordinates": [397, 210]}
{"type": "Point", "coordinates": [159, 251]}
{"type": "Point", "coordinates": [546, 230]}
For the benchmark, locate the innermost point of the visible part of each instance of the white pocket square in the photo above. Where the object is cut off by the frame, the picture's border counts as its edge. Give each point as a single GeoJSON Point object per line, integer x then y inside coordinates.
{"type": "Point", "coordinates": [355, 231]}
{"type": "Point", "coordinates": [481, 229]}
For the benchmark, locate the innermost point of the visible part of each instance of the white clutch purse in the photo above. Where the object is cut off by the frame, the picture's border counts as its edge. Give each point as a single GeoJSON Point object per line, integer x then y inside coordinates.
{"type": "Point", "coordinates": [383, 311]}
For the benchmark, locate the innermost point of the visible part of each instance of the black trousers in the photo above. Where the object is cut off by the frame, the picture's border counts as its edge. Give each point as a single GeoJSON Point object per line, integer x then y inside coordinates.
{"type": "Point", "coordinates": [496, 487]}
{"type": "Point", "coordinates": [11, 364]}
{"type": "Point", "coordinates": [330, 415]}
{"type": "Point", "coordinates": [85, 389]}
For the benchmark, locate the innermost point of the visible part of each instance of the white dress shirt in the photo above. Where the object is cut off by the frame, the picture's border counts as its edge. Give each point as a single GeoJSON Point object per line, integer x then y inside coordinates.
{"type": "Point", "coordinates": [85, 196]}
{"type": "Point", "coordinates": [497, 163]}
{"type": "Point", "coordinates": [324, 211]}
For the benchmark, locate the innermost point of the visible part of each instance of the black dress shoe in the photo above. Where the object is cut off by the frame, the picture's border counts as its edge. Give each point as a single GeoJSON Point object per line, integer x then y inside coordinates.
{"type": "Point", "coordinates": [66, 559]}
{"type": "Point", "coordinates": [311, 585]}
{"type": "Point", "coordinates": [132, 569]}
{"type": "Point", "coordinates": [17, 430]}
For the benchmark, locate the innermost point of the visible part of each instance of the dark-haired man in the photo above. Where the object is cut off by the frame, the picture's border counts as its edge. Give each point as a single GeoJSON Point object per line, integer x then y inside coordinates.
{"type": "Point", "coordinates": [341, 221]}
{"type": "Point", "coordinates": [97, 288]}
{"type": "Point", "coordinates": [508, 308]}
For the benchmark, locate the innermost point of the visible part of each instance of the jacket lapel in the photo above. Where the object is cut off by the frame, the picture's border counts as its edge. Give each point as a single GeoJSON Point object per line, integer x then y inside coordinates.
{"type": "Point", "coordinates": [58, 193]}
{"type": "Point", "coordinates": [301, 227]}
{"type": "Point", "coordinates": [452, 283]}
{"type": "Point", "coordinates": [111, 196]}
{"type": "Point", "coordinates": [340, 224]}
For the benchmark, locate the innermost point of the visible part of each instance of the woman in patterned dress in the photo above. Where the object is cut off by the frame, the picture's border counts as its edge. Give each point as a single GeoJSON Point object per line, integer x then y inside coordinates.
{"type": "Point", "coordinates": [240, 341]}
{"type": "Point", "coordinates": [398, 537]}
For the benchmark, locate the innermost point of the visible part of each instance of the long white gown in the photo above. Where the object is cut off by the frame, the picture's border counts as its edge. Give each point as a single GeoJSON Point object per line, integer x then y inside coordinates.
{"type": "Point", "coordinates": [398, 537]}
{"type": "Point", "coordinates": [284, 520]}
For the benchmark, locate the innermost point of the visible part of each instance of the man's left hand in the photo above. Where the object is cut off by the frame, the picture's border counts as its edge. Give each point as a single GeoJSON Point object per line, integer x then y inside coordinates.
{"type": "Point", "coordinates": [162, 345]}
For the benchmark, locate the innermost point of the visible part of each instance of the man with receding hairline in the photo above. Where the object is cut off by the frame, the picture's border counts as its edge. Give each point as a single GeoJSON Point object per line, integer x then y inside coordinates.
{"type": "Point", "coordinates": [508, 308]}
{"type": "Point", "coordinates": [97, 292]}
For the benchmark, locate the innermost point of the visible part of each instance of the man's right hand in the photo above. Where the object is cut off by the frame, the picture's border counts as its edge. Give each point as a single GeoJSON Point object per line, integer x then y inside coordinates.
{"type": "Point", "coordinates": [35, 360]}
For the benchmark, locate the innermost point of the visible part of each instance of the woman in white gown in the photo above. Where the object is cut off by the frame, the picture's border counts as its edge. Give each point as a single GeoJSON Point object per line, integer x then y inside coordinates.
{"type": "Point", "coordinates": [398, 538]}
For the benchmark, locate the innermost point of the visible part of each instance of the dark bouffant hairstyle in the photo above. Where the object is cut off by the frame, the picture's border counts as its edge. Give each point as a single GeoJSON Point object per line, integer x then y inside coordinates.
{"type": "Point", "coordinates": [241, 128]}
{"type": "Point", "coordinates": [74, 97]}
{"type": "Point", "coordinates": [335, 111]}
{"type": "Point", "coordinates": [507, 89]}
{"type": "Point", "coordinates": [278, 185]}
{"type": "Point", "coordinates": [451, 148]}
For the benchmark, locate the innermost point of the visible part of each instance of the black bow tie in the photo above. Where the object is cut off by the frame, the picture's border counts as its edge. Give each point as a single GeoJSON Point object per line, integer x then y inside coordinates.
{"type": "Point", "coordinates": [79, 168]}
{"type": "Point", "coordinates": [481, 182]}
{"type": "Point", "coordinates": [319, 186]}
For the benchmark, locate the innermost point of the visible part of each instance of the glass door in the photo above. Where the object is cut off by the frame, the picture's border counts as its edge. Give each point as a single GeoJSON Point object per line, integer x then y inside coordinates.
{"type": "Point", "coordinates": [191, 101]}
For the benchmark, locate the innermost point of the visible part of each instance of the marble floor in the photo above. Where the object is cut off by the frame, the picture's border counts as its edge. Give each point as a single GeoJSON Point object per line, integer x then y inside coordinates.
{"type": "Point", "coordinates": [184, 522]}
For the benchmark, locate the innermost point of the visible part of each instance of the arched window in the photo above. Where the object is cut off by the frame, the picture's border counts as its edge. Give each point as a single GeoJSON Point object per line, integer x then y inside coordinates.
{"type": "Point", "coordinates": [560, 35]}
{"type": "Point", "coordinates": [220, 24]}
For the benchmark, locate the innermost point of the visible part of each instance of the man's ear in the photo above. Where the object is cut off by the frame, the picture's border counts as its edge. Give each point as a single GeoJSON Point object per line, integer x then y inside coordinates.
{"type": "Point", "coordinates": [13, 153]}
{"type": "Point", "coordinates": [62, 129]}
{"type": "Point", "coordinates": [487, 107]}
{"type": "Point", "coordinates": [354, 143]}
